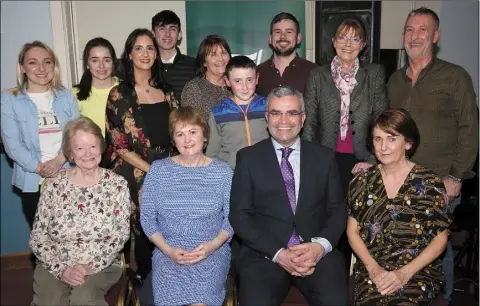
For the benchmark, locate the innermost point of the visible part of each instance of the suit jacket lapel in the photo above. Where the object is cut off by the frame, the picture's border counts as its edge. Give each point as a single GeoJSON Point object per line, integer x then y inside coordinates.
{"type": "Point", "coordinates": [272, 165]}
{"type": "Point", "coordinates": [303, 175]}
{"type": "Point", "coordinates": [355, 98]}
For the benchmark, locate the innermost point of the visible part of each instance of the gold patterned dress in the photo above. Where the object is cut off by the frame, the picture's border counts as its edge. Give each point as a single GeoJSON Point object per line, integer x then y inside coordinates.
{"type": "Point", "coordinates": [397, 230]}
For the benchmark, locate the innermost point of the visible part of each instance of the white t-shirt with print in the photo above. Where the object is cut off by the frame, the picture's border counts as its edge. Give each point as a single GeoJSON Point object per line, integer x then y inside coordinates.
{"type": "Point", "coordinates": [50, 133]}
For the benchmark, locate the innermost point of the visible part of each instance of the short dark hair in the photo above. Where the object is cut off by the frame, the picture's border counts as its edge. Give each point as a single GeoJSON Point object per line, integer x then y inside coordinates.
{"type": "Point", "coordinates": [398, 121]}
{"type": "Point", "coordinates": [240, 61]}
{"type": "Point", "coordinates": [284, 16]}
{"type": "Point", "coordinates": [425, 11]}
{"type": "Point", "coordinates": [285, 91]}
{"type": "Point", "coordinates": [206, 47]}
{"type": "Point", "coordinates": [165, 17]}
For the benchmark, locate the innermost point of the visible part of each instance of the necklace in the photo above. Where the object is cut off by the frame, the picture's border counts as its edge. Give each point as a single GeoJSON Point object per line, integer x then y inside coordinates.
{"type": "Point", "coordinates": [147, 89]}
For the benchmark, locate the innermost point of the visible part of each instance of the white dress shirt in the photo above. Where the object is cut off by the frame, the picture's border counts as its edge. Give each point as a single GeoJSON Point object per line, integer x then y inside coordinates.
{"type": "Point", "coordinates": [294, 160]}
{"type": "Point", "coordinates": [170, 61]}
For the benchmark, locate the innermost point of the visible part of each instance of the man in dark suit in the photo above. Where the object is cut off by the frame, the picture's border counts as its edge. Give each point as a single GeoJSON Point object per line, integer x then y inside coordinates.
{"type": "Point", "coordinates": [287, 212]}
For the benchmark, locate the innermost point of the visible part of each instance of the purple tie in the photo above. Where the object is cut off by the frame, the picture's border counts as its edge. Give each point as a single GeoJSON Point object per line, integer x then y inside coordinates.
{"type": "Point", "coordinates": [289, 179]}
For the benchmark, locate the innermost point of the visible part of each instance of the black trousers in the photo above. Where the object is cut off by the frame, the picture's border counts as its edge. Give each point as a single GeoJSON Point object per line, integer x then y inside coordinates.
{"type": "Point", "coordinates": [29, 206]}
{"type": "Point", "coordinates": [345, 162]}
{"type": "Point", "coordinates": [263, 282]}
{"type": "Point", "coordinates": [143, 255]}
{"type": "Point", "coordinates": [146, 292]}
{"type": "Point", "coordinates": [143, 247]}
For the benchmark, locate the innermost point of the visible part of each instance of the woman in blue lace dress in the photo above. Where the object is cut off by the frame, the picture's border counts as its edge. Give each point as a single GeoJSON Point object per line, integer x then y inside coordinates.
{"type": "Point", "coordinates": [184, 212]}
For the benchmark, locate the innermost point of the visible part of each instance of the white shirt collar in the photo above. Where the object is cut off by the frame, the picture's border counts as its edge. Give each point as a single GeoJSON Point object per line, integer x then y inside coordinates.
{"type": "Point", "coordinates": [170, 61]}
{"type": "Point", "coordinates": [295, 145]}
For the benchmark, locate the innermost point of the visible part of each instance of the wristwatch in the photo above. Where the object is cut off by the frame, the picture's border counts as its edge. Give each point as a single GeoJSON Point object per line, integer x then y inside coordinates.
{"type": "Point", "coordinates": [455, 179]}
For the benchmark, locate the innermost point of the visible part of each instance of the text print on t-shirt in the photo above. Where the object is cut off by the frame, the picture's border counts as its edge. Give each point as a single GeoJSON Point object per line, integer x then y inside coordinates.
{"type": "Point", "coordinates": [49, 130]}
{"type": "Point", "coordinates": [50, 134]}
{"type": "Point", "coordinates": [48, 122]}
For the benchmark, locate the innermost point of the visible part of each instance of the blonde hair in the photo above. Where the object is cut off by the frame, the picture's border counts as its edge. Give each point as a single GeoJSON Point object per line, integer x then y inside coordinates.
{"type": "Point", "coordinates": [22, 79]}
{"type": "Point", "coordinates": [83, 124]}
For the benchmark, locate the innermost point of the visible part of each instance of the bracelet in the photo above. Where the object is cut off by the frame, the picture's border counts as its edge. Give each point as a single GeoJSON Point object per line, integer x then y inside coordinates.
{"type": "Point", "coordinates": [455, 179]}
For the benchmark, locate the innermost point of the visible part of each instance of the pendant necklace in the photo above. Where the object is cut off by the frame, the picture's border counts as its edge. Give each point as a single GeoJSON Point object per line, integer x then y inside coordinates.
{"type": "Point", "coordinates": [147, 90]}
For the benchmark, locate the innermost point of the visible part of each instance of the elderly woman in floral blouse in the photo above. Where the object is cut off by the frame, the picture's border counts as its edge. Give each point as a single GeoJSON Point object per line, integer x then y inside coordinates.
{"type": "Point", "coordinates": [81, 224]}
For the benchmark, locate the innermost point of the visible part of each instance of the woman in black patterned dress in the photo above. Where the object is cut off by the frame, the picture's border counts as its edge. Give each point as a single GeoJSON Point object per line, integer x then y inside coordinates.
{"type": "Point", "coordinates": [398, 220]}
{"type": "Point", "coordinates": [137, 126]}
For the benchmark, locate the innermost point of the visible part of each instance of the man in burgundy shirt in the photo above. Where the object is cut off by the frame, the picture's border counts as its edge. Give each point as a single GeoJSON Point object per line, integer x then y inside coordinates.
{"type": "Point", "coordinates": [285, 67]}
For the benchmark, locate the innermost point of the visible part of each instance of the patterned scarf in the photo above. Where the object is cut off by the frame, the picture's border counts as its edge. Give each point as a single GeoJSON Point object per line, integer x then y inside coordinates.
{"type": "Point", "coordinates": [345, 82]}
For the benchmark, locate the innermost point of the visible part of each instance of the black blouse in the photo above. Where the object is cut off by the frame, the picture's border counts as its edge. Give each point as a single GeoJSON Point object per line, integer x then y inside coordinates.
{"type": "Point", "coordinates": [155, 117]}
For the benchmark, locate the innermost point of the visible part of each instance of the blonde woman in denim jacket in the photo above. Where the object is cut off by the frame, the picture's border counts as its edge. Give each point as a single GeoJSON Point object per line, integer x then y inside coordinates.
{"type": "Point", "coordinates": [33, 116]}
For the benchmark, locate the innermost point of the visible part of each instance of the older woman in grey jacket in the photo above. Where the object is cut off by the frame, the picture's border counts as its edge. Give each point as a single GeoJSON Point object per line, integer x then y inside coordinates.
{"type": "Point", "coordinates": [341, 100]}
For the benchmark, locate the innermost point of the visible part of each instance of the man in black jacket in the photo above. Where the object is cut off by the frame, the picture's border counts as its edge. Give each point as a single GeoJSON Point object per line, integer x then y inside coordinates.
{"type": "Point", "coordinates": [177, 68]}
{"type": "Point", "coordinates": [287, 210]}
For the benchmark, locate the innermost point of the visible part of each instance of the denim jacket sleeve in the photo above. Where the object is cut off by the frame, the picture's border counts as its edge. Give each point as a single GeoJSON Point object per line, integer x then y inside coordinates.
{"type": "Point", "coordinates": [12, 136]}
{"type": "Point", "coordinates": [71, 107]}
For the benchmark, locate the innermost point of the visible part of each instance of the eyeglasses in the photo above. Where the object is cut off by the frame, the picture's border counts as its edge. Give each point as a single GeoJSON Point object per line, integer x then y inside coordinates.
{"type": "Point", "coordinates": [289, 114]}
{"type": "Point", "coordinates": [142, 49]}
{"type": "Point", "coordinates": [353, 40]}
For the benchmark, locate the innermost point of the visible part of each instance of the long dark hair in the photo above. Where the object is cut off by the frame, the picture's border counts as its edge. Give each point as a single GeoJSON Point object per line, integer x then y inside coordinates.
{"type": "Point", "coordinates": [127, 64]}
{"type": "Point", "coordinates": [85, 85]}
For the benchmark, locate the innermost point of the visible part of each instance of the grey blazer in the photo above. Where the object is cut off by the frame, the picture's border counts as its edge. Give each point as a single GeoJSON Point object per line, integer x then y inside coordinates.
{"type": "Point", "coordinates": [322, 106]}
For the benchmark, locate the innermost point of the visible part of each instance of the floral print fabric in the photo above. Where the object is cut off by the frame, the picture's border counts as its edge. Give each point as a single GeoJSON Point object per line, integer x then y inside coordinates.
{"type": "Point", "coordinates": [397, 230]}
{"type": "Point", "coordinates": [125, 131]}
{"type": "Point", "coordinates": [345, 83]}
{"type": "Point", "coordinates": [85, 225]}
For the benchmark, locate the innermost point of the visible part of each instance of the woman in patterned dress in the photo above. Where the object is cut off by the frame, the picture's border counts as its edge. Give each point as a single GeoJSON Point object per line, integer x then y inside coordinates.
{"type": "Point", "coordinates": [137, 126]}
{"type": "Point", "coordinates": [81, 224]}
{"type": "Point", "coordinates": [398, 220]}
{"type": "Point", "coordinates": [185, 206]}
